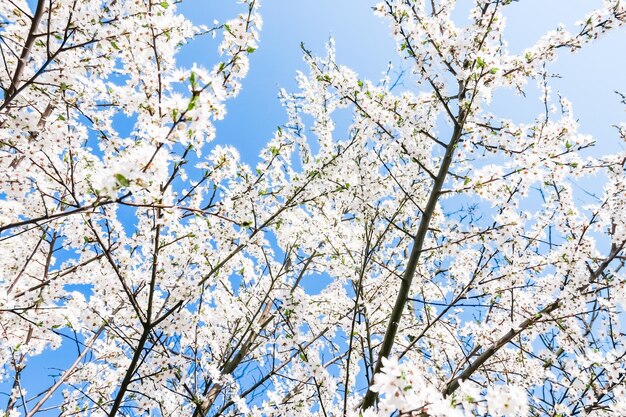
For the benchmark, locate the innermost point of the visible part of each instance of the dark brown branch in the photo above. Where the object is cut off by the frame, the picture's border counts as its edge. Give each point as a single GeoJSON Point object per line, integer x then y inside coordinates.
{"type": "Point", "coordinates": [26, 50]}
{"type": "Point", "coordinates": [453, 385]}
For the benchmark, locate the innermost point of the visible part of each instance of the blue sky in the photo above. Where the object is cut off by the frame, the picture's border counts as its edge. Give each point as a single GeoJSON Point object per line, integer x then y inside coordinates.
{"type": "Point", "coordinates": [362, 43]}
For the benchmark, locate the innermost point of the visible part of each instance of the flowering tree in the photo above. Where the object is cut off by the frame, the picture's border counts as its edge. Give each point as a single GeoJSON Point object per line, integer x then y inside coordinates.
{"type": "Point", "coordinates": [466, 279]}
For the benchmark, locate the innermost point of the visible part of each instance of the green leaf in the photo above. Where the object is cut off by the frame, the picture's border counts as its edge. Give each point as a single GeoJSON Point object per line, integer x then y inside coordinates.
{"type": "Point", "coordinates": [250, 49]}
{"type": "Point", "coordinates": [114, 45]}
{"type": "Point", "coordinates": [164, 4]}
{"type": "Point", "coordinates": [122, 180]}
{"type": "Point", "coordinates": [480, 62]}
{"type": "Point", "coordinates": [192, 102]}
{"type": "Point", "coordinates": [324, 77]}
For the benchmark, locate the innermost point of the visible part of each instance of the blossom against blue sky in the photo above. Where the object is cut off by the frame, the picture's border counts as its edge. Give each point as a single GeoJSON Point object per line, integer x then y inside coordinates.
{"type": "Point", "coordinates": [363, 43]}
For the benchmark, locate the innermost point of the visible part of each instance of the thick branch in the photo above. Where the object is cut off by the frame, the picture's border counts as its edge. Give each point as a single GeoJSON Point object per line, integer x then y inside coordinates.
{"type": "Point", "coordinates": [453, 385]}
{"type": "Point", "coordinates": [418, 242]}
{"type": "Point", "coordinates": [26, 50]}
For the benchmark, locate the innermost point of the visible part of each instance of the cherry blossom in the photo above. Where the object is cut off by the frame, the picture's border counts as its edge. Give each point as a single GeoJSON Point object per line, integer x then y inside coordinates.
{"type": "Point", "coordinates": [458, 268]}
